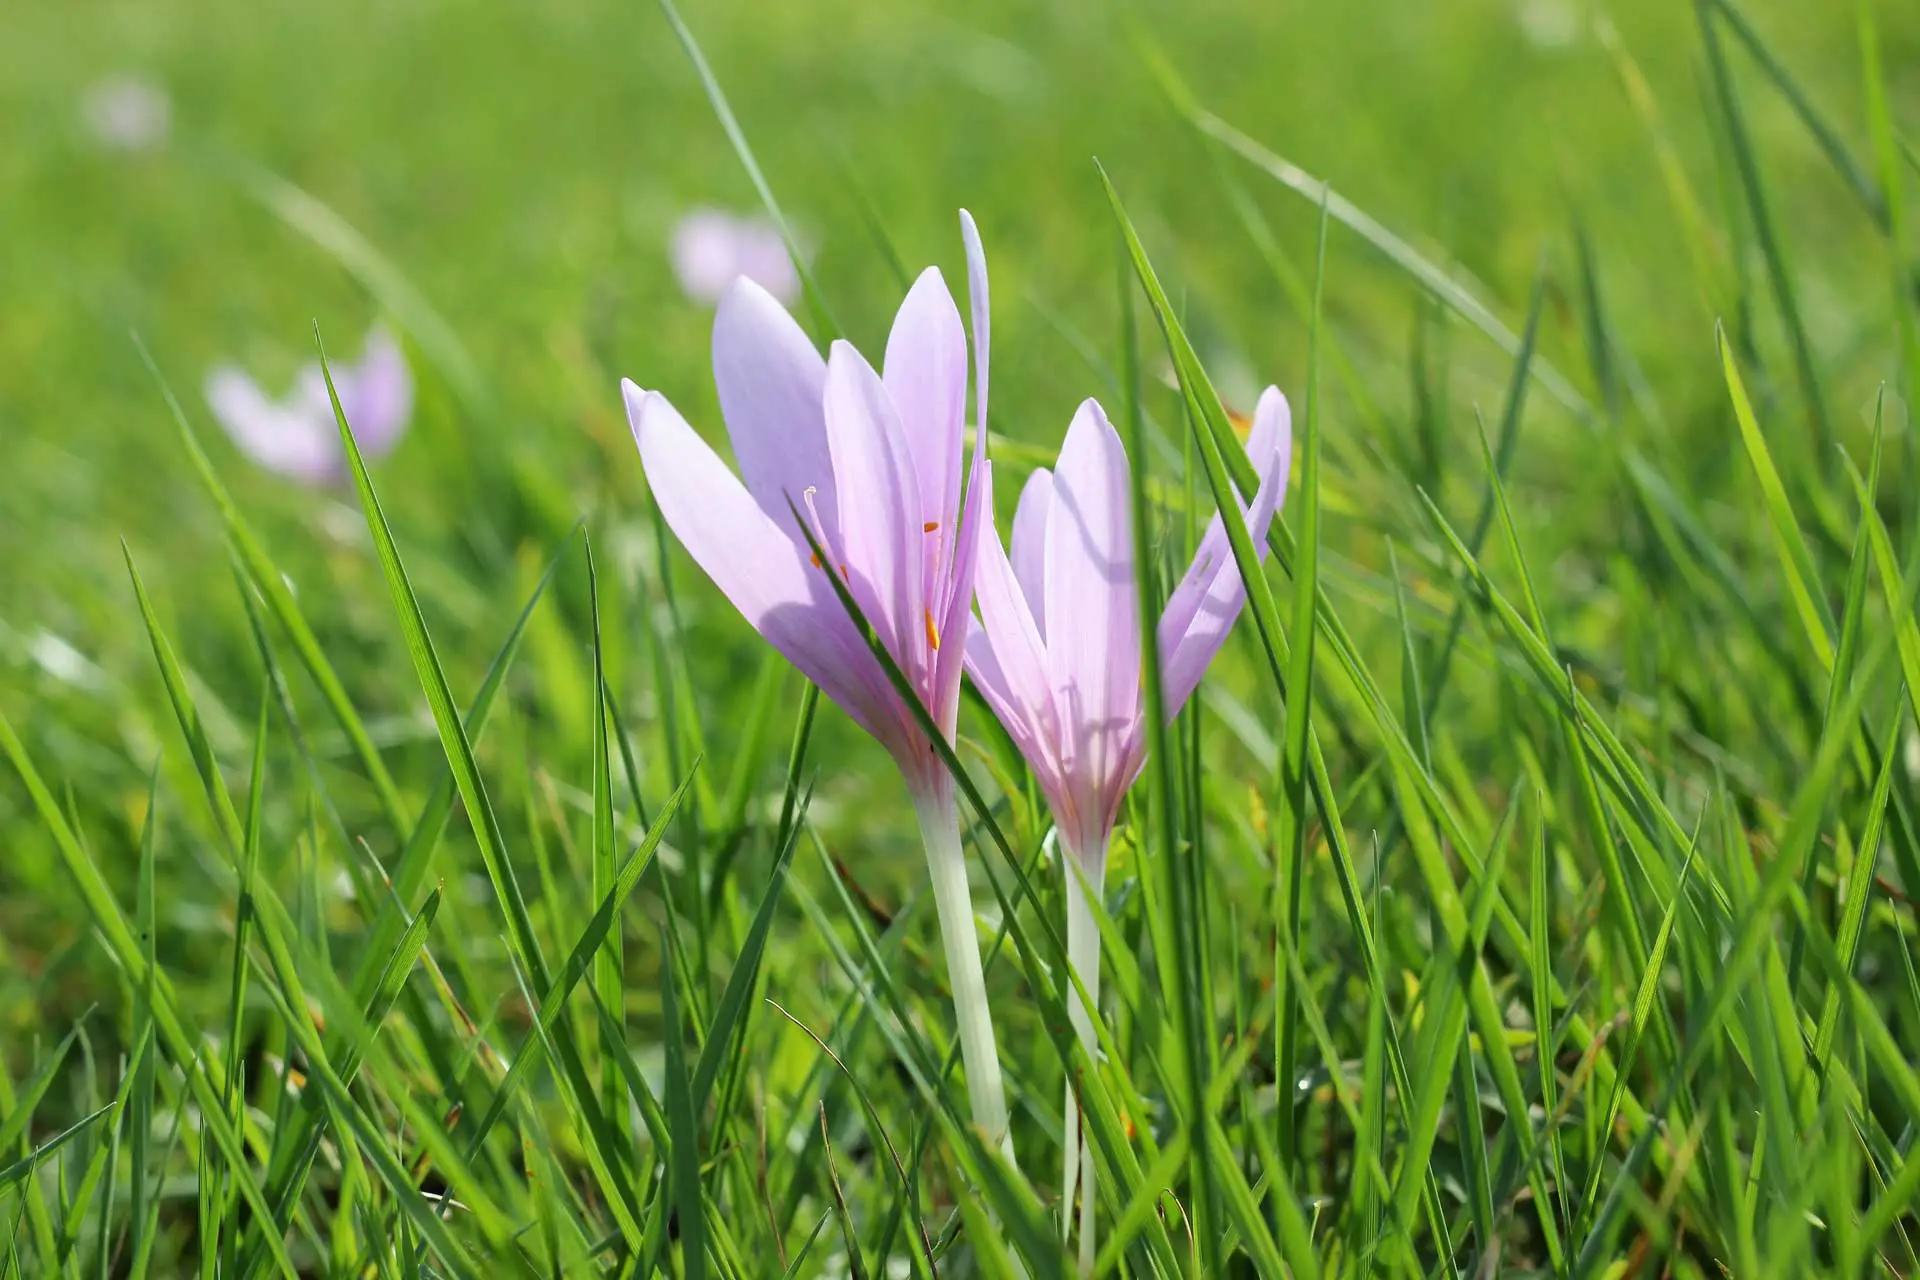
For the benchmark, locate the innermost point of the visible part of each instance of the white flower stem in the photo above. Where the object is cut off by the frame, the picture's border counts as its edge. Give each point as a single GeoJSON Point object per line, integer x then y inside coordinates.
{"type": "Point", "coordinates": [940, 829]}
{"type": "Point", "coordinates": [1086, 872]}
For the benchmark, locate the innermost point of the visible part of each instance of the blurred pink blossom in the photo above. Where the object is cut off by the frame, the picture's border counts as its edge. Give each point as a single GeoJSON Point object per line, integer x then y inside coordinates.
{"type": "Point", "coordinates": [712, 248]}
{"type": "Point", "coordinates": [296, 436]}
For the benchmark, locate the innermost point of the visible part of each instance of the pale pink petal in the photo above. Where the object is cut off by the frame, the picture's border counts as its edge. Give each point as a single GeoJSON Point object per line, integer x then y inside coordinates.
{"type": "Point", "coordinates": [1008, 628]}
{"type": "Point", "coordinates": [771, 381]}
{"type": "Point", "coordinates": [1093, 632]}
{"type": "Point", "coordinates": [1030, 544]}
{"type": "Point", "coordinates": [982, 309]}
{"type": "Point", "coordinates": [309, 396]}
{"type": "Point", "coordinates": [954, 612]}
{"type": "Point", "coordinates": [926, 375]}
{"type": "Point", "coordinates": [880, 536]}
{"type": "Point", "coordinates": [1202, 609]}
{"type": "Point", "coordinates": [751, 559]}
{"type": "Point", "coordinates": [378, 395]}
{"type": "Point", "coordinates": [1013, 712]}
{"type": "Point", "coordinates": [297, 442]}
{"type": "Point", "coordinates": [711, 249]}
{"type": "Point", "coordinates": [977, 518]}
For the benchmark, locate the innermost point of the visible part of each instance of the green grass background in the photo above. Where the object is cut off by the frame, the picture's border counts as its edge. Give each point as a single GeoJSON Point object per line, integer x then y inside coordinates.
{"type": "Point", "coordinates": [522, 166]}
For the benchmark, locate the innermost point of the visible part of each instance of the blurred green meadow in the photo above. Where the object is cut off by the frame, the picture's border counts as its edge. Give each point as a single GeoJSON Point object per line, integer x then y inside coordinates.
{"type": "Point", "coordinates": [1603, 959]}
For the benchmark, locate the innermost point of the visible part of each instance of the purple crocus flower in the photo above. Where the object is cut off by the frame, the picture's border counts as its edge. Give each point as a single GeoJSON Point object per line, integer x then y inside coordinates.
{"type": "Point", "coordinates": [871, 460]}
{"type": "Point", "coordinates": [1056, 654]}
{"type": "Point", "coordinates": [296, 436]}
{"type": "Point", "coordinates": [713, 248]}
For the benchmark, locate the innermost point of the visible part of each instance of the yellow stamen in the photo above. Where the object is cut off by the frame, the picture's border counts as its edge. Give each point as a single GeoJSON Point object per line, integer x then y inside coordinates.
{"type": "Point", "coordinates": [816, 559]}
{"type": "Point", "coordinates": [933, 633]}
{"type": "Point", "coordinates": [931, 526]}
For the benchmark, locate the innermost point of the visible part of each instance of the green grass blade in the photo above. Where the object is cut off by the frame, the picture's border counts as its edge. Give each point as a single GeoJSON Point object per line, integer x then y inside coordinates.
{"type": "Point", "coordinates": [737, 138]}
{"type": "Point", "coordinates": [718, 1047]}
{"type": "Point", "coordinates": [1754, 936]}
{"type": "Point", "coordinates": [1349, 215]}
{"type": "Point", "coordinates": [1208, 422]}
{"type": "Point", "coordinates": [1772, 250]}
{"type": "Point", "coordinates": [1796, 561]}
{"type": "Point", "coordinates": [314, 219]}
{"type": "Point", "coordinates": [1290, 885]}
{"type": "Point", "coordinates": [1645, 994]}
{"type": "Point", "coordinates": [1886, 151]}
{"type": "Point", "coordinates": [453, 735]}
{"type": "Point", "coordinates": [523, 942]}
{"type": "Point", "coordinates": [553, 999]}
{"type": "Point", "coordinates": [683, 1126]}
{"type": "Point", "coordinates": [1853, 910]}
{"type": "Point", "coordinates": [350, 1118]}
{"type": "Point", "coordinates": [112, 926]}
{"type": "Point", "coordinates": [609, 963]}
{"type": "Point", "coordinates": [13, 1125]}
{"type": "Point", "coordinates": [1855, 178]}
{"type": "Point", "coordinates": [22, 1168]}
{"type": "Point", "coordinates": [1434, 682]}
{"type": "Point", "coordinates": [296, 1145]}
{"type": "Point", "coordinates": [140, 1119]}
{"type": "Point", "coordinates": [1545, 1029]}
{"type": "Point", "coordinates": [272, 585]}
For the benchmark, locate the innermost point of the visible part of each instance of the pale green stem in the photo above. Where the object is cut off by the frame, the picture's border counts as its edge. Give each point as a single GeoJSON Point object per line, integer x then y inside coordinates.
{"type": "Point", "coordinates": [1086, 872]}
{"type": "Point", "coordinates": [940, 829]}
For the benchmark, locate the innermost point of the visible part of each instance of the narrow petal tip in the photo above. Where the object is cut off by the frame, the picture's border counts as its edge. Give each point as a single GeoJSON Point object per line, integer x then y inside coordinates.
{"type": "Point", "coordinates": [635, 397]}
{"type": "Point", "coordinates": [982, 309]}
{"type": "Point", "coordinates": [649, 414]}
{"type": "Point", "coordinates": [1272, 433]}
{"type": "Point", "coordinates": [745, 291]}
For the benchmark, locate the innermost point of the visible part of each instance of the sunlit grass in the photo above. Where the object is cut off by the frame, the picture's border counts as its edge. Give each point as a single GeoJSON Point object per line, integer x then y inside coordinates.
{"type": "Point", "coordinates": [433, 877]}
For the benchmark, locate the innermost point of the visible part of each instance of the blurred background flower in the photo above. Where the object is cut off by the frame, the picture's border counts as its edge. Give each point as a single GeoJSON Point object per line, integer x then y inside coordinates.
{"type": "Point", "coordinates": [712, 248]}
{"type": "Point", "coordinates": [1549, 24]}
{"type": "Point", "coordinates": [296, 435]}
{"type": "Point", "coordinates": [127, 112]}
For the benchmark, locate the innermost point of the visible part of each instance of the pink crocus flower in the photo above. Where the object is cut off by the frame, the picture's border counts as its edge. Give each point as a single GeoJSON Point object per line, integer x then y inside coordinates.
{"type": "Point", "coordinates": [871, 460]}
{"type": "Point", "coordinates": [713, 248]}
{"type": "Point", "coordinates": [296, 436]}
{"type": "Point", "coordinates": [1056, 653]}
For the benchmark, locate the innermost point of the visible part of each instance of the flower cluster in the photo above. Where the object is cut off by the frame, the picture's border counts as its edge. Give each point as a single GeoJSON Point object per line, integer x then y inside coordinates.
{"type": "Point", "coordinates": [866, 466]}
{"type": "Point", "coordinates": [859, 474]}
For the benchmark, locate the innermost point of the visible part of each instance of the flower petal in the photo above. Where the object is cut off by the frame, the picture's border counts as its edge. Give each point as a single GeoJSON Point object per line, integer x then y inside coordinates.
{"type": "Point", "coordinates": [1007, 628]}
{"type": "Point", "coordinates": [297, 441]}
{"type": "Point", "coordinates": [751, 559]}
{"type": "Point", "coordinates": [712, 248]}
{"type": "Point", "coordinates": [1093, 644]}
{"type": "Point", "coordinates": [954, 610]}
{"type": "Point", "coordinates": [754, 562]}
{"type": "Point", "coordinates": [982, 308]}
{"type": "Point", "coordinates": [879, 508]}
{"type": "Point", "coordinates": [1030, 544]}
{"type": "Point", "coordinates": [381, 398]}
{"type": "Point", "coordinates": [1013, 712]}
{"type": "Point", "coordinates": [1203, 607]}
{"type": "Point", "coordinates": [926, 375]}
{"type": "Point", "coordinates": [770, 381]}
